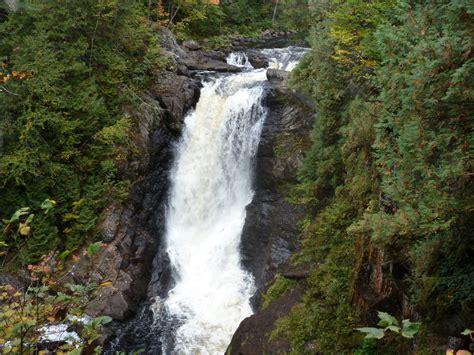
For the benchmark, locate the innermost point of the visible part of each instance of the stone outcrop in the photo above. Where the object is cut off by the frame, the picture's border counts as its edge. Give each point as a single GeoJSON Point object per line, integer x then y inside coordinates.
{"type": "Point", "coordinates": [253, 335]}
{"type": "Point", "coordinates": [190, 57]}
{"type": "Point", "coordinates": [271, 234]}
{"type": "Point", "coordinates": [207, 61]}
{"type": "Point", "coordinates": [277, 74]}
{"type": "Point", "coordinates": [133, 229]}
{"type": "Point", "coordinates": [257, 59]}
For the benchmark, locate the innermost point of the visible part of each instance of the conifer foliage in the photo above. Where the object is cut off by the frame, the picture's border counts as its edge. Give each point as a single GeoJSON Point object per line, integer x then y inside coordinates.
{"type": "Point", "coordinates": [393, 84]}
{"type": "Point", "coordinates": [62, 125]}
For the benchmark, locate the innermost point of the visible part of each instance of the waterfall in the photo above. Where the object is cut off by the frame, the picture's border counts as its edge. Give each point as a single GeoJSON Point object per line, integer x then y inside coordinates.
{"type": "Point", "coordinates": [211, 186]}
{"type": "Point", "coordinates": [239, 59]}
{"type": "Point", "coordinates": [284, 58]}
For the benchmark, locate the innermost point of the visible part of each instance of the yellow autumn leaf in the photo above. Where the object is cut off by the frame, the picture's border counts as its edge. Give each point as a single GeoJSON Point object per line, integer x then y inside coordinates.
{"type": "Point", "coordinates": [24, 229]}
{"type": "Point", "coordinates": [69, 216]}
{"type": "Point", "coordinates": [106, 283]}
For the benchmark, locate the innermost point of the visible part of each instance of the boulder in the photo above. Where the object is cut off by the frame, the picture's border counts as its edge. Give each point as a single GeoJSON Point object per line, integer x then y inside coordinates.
{"type": "Point", "coordinates": [257, 59]}
{"type": "Point", "coordinates": [191, 45]}
{"type": "Point", "coordinates": [277, 74]}
{"type": "Point", "coordinates": [7, 279]}
{"type": "Point", "coordinates": [207, 61]}
{"type": "Point", "coordinates": [252, 335]}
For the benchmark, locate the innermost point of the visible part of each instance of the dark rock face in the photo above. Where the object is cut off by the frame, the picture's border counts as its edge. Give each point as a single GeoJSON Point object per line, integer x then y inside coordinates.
{"type": "Point", "coordinates": [252, 336]}
{"type": "Point", "coordinates": [277, 74]}
{"type": "Point", "coordinates": [271, 235]}
{"type": "Point", "coordinates": [134, 229]}
{"type": "Point", "coordinates": [176, 94]}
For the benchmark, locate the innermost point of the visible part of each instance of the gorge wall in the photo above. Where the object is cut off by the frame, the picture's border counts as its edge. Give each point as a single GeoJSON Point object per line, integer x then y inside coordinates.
{"type": "Point", "coordinates": [133, 269]}
{"type": "Point", "coordinates": [271, 233]}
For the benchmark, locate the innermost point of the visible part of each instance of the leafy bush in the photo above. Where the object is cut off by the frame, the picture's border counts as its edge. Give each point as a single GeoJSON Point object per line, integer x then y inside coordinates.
{"type": "Point", "coordinates": [391, 82]}
{"type": "Point", "coordinates": [64, 132]}
{"type": "Point", "coordinates": [26, 317]}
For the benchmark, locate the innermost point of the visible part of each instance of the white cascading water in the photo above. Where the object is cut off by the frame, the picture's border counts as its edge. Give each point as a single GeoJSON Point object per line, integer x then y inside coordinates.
{"type": "Point", "coordinates": [211, 186]}
{"type": "Point", "coordinates": [239, 59]}
{"type": "Point", "coordinates": [284, 58]}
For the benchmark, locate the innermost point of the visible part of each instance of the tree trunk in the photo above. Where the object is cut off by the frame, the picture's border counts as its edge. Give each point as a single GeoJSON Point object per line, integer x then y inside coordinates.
{"type": "Point", "coordinates": [274, 12]}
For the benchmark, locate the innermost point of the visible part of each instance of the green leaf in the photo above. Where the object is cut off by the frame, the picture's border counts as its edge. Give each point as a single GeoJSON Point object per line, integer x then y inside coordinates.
{"type": "Point", "coordinates": [77, 351]}
{"type": "Point", "coordinates": [19, 213]}
{"type": "Point", "coordinates": [65, 254]}
{"type": "Point", "coordinates": [410, 329]}
{"type": "Point", "coordinates": [30, 218]}
{"type": "Point", "coordinates": [386, 319]}
{"type": "Point", "coordinates": [467, 332]}
{"type": "Point", "coordinates": [102, 320]}
{"type": "Point", "coordinates": [47, 205]}
{"type": "Point", "coordinates": [372, 333]}
{"type": "Point", "coordinates": [393, 328]}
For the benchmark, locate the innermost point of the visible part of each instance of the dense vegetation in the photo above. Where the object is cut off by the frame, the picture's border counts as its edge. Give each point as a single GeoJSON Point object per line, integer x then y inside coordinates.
{"type": "Point", "coordinates": [63, 125]}
{"type": "Point", "coordinates": [201, 19]}
{"type": "Point", "coordinates": [389, 172]}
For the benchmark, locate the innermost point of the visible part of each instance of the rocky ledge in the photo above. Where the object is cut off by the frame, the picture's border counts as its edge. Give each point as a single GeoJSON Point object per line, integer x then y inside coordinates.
{"type": "Point", "coordinates": [271, 233]}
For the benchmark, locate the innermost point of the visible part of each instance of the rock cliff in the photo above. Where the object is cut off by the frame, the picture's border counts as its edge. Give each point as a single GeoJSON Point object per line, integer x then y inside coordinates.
{"type": "Point", "coordinates": [271, 233]}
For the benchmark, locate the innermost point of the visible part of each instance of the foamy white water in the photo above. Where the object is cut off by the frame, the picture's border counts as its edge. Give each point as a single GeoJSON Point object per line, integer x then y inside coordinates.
{"type": "Point", "coordinates": [211, 185]}
{"type": "Point", "coordinates": [239, 59]}
{"type": "Point", "coordinates": [284, 58]}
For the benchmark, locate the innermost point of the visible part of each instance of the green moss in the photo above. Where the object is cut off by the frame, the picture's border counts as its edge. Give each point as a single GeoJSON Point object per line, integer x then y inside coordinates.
{"type": "Point", "coordinates": [279, 287]}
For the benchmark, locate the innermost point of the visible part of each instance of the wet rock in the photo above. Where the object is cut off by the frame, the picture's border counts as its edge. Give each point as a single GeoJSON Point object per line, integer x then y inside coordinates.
{"type": "Point", "coordinates": [257, 59]}
{"type": "Point", "coordinates": [253, 334]}
{"type": "Point", "coordinates": [270, 234]}
{"type": "Point", "coordinates": [277, 74]}
{"type": "Point", "coordinates": [208, 61]}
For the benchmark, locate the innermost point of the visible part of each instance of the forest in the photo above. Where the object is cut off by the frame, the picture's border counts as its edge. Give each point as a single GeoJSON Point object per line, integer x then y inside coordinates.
{"type": "Point", "coordinates": [386, 181]}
